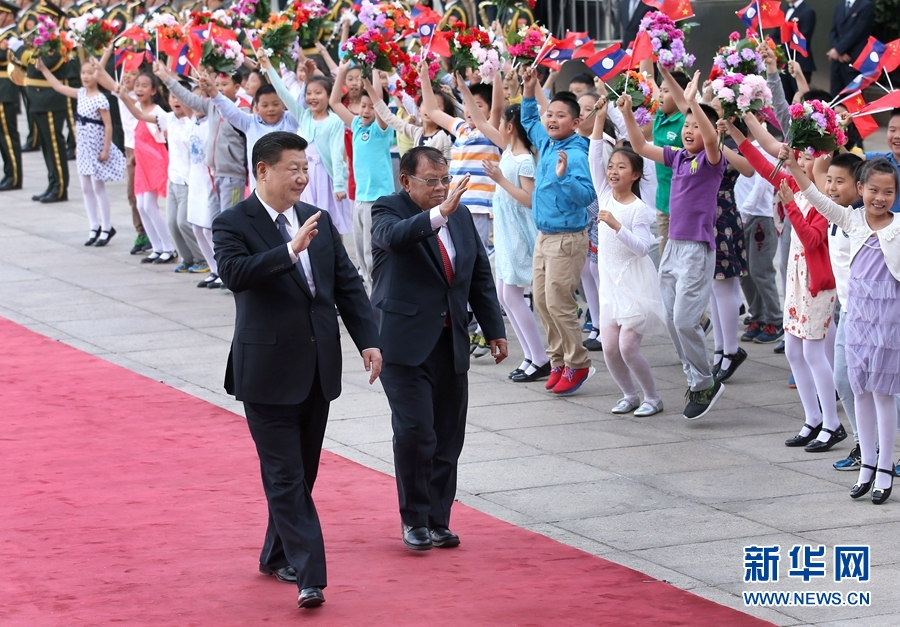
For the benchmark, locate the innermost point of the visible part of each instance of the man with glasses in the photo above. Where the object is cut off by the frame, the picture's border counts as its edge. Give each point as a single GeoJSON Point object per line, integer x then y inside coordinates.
{"type": "Point", "coordinates": [428, 262]}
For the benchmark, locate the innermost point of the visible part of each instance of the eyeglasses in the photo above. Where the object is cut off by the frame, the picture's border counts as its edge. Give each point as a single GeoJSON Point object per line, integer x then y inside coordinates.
{"type": "Point", "coordinates": [444, 180]}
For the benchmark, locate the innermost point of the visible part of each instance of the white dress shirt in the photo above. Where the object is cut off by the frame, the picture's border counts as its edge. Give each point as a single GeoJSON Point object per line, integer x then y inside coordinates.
{"type": "Point", "coordinates": [790, 12]}
{"type": "Point", "coordinates": [293, 226]}
{"type": "Point", "coordinates": [440, 222]}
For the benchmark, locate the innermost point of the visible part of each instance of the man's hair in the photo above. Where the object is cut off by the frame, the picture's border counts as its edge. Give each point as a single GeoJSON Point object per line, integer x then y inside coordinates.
{"type": "Point", "coordinates": [262, 91]}
{"type": "Point", "coordinates": [583, 78]}
{"type": "Point", "coordinates": [847, 161]}
{"type": "Point", "coordinates": [568, 99]}
{"type": "Point", "coordinates": [409, 163]}
{"type": "Point", "coordinates": [269, 148]}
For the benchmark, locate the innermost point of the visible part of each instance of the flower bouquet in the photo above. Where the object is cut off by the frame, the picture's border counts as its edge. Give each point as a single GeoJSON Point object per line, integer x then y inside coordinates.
{"type": "Point", "coordinates": [667, 40]}
{"type": "Point", "coordinates": [202, 18]}
{"type": "Point", "coordinates": [636, 85]}
{"type": "Point", "coordinates": [410, 81]}
{"type": "Point", "coordinates": [166, 35]}
{"type": "Point", "coordinates": [47, 39]}
{"type": "Point", "coordinates": [472, 48]}
{"type": "Point", "coordinates": [738, 57]}
{"type": "Point", "coordinates": [308, 20]}
{"type": "Point", "coordinates": [91, 32]}
{"type": "Point", "coordinates": [372, 50]}
{"type": "Point", "coordinates": [222, 56]}
{"type": "Point", "coordinates": [741, 94]}
{"type": "Point", "coordinates": [391, 18]}
{"type": "Point", "coordinates": [252, 13]}
{"type": "Point", "coordinates": [815, 129]}
{"type": "Point", "coordinates": [526, 43]}
{"type": "Point", "coordinates": [276, 38]}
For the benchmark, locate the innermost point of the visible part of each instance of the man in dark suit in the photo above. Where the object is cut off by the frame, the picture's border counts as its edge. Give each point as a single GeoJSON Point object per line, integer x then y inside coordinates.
{"type": "Point", "coordinates": [801, 12]}
{"type": "Point", "coordinates": [853, 21]}
{"type": "Point", "coordinates": [428, 262]}
{"type": "Point", "coordinates": [631, 12]}
{"type": "Point", "coordinates": [287, 267]}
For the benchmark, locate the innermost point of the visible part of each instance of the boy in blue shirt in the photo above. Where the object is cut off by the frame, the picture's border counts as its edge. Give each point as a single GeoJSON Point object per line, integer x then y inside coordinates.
{"type": "Point", "coordinates": [563, 190]}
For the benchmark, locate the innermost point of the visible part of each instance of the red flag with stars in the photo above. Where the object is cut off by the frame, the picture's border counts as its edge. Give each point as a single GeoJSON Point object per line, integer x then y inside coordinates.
{"type": "Point", "coordinates": [675, 9]}
{"type": "Point", "coordinates": [641, 48]}
{"type": "Point", "coordinates": [890, 59]}
{"type": "Point", "coordinates": [865, 124]}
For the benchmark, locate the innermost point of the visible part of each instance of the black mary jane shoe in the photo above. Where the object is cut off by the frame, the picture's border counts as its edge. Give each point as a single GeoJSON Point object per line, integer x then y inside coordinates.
{"type": "Point", "coordinates": [518, 371]}
{"type": "Point", "coordinates": [817, 446]}
{"type": "Point", "coordinates": [803, 440]}
{"type": "Point", "coordinates": [860, 489]}
{"type": "Point", "coordinates": [103, 241]}
{"type": "Point", "coordinates": [93, 238]}
{"type": "Point", "coordinates": [880, 495]}
{"type": "Point", "coordinates": [540, 372]}
{"type": "Point", "coordinates": [718, 365]}
{"type": "Point", "coordinates": [736, 360]}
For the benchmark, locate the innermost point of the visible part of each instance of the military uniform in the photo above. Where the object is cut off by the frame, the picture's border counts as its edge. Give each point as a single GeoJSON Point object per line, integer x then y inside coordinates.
{"type": "Point", "coordinates": [458, 11]}
{"type": "Point", "coordinates": [10, 148]}
{"type": "Point", "coordinates": [511, 21]}
{"type": "Point", "coordinates": [73, 75]}
{"type": "Point", "coordinates": [49, 109]}
{"type": "Point", "coordinates": [27, 21]}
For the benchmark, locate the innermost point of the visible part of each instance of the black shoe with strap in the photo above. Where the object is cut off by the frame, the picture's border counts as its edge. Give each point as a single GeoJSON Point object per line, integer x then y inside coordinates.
{"type": "Point", "coordinates": [818, 446]}
{"type": "Point", "coordinates": [736, 360]}
{"type": "Point", "coordinates": [518, 371]}
{"type": "Point", "coordinates": [540, 372]}
{"type": "Point", "coordinates": [860, 489]}
{"type": "Point", "coordinates": [803, 440]}
{"type": "Point", "coordinates": [718, 365]}
{"type": "Point", "coordinates": [880, 495]}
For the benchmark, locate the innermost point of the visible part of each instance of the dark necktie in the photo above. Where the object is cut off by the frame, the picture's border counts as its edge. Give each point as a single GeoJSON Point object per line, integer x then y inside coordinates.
{"type": "Point", "coordinates": [281, 221]}
{"type": "Point", "coordinates": [448, 270]}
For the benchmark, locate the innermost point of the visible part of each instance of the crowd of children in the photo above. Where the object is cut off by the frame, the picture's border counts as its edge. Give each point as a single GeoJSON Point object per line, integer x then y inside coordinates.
{"type": "Point", "coordinates": [566, 204]}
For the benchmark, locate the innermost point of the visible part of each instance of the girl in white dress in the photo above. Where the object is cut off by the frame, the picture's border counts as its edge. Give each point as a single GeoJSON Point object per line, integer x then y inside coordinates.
{"type": "Point", "coordinates": [630, 300]}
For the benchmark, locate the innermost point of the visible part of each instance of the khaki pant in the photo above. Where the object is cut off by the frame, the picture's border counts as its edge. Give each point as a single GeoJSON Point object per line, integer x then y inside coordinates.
{"type": "Point", "coordinates": [558, 261]}
{"type": "Point", "coordinates": [662, 230]}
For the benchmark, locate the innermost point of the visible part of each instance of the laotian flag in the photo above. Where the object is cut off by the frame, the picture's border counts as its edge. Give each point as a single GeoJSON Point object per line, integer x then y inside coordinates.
{"type": "Point", "coordinates": [860, 82]}
{"type": "Point", "coordinates": [186, 57]}
{"type": "Point", "coordinates": [675, 9]}
{"type": "Point", "coordinates": [865, 124]}
{"type": "Point", "coordinates": [869, 60]}
{"type": "Point", "coordinates": [796, 40]}
{"type": "Point", "coordinates": [572, 47]}
{"type": "Point", "coordinates": [607, 63]}
{"type": "Point", "coordinates": [436, 42]}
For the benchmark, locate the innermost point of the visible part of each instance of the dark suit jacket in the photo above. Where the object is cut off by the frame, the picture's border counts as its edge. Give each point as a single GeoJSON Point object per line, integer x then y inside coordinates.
{"type": "Point", "coordinates": [850, 32]}
{"type": "Point", "coordinates": [410, 291]}
{"type": "Point", "coordinates": [806, 22]}
{"type": "Point", "coordinates": [630, 27]}
{"type": "Point", "coordinates": [281, 333]}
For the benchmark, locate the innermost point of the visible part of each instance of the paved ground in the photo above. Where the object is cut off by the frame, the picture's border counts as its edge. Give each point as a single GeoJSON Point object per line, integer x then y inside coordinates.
{"type": "Point", "coordinates": [674, 499]}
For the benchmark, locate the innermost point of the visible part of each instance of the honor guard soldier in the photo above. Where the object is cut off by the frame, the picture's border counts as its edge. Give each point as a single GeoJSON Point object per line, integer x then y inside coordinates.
{"type": "Point", "coordinates": [49, 110]}
{"type": "Point", "coordinates": [10, 149]}
{"type": "Point", "coordinates": [458, 11]}
{"type": "Point", "coordinates": [27, 21]}
{"type": "Point", "coordinates": [118, 13]}
{"type": "Point", "coordinates": [511, 20]}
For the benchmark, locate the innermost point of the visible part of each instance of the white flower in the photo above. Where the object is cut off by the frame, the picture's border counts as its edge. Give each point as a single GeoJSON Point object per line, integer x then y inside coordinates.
{"type": "Point", "coordinates": [98, 13]}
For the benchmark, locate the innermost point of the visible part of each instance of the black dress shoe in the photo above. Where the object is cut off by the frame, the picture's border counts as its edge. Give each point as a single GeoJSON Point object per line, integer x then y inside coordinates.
{"type": "Point", "coordinates": [718, 365]}
{"type": "Point", "coordinates": [103, 241]}
{"type": "Point", "coordinates": [54, 197]}
{"type": "Point", "coordinates": [37, 197]}
{"type": "Point", "coordinates": [29, 148]}
{"type": "Point", "coordinates": [736, 360]}
{"type": "Point", "coordinates": [592, 344]}
{"type": "Point", "coordinates": [93, 238]}
{"type": "Point", "coordinates": [803, 440]}
{"type": "Point", "coordinates": [416, 538]}
{"type": "Point", "coordinates": [310, 598]}
{"type": "Point", "coordinates": [779, 348]}
{"type": "Point", "coordinates": [860, 489]}
{"type": "Point", "coordinates": [519, 370]}
{"type": "Point", "coordinates": [285, 574]}
{"type": "Point", "coordinates": [9, 187]}
{"type": "Point", "coordinates": [443, 538]}
{"type": "Point", "coordinates": [880, 495]}
{"type": "Point", "coordinates": [541, 372]}
{"type": "Point", "coordinates": [71, 156]}
{"type": "Point", "coordinates": [817, 446]}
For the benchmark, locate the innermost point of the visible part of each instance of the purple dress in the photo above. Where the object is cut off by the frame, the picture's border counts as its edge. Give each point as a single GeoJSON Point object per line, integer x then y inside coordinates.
{"type": "Point", "coordinates": [873, 323]}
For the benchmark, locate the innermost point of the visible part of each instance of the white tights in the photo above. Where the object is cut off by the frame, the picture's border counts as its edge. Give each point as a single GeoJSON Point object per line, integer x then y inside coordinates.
{"type": "Point", "coordinates": [512, 297]}
{"type": "Point", "coordinates": [876, 419]}
{"type": "Point", "coordinates": [622, 353]}
{"type": "Point", "coordinates": [96, 200]}
{"type": "Point", "coordinates": [154, 223]}
{"type": "Point", "coordinates": [725, 307]}
{"type": "Point", "coordinates": [590, 280]}
{"type": "Point", "coordinates": [205, 242]}
{"type": "Point", "coordinates": [814, 376]}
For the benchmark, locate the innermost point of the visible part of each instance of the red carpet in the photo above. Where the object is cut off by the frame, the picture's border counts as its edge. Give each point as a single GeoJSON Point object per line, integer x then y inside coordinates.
{"type": "Point", "coordinates": [126, 501]}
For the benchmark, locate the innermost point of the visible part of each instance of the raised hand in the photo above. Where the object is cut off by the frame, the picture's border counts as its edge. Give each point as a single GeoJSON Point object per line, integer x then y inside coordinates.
{"type": "Point", "coordinates": [785, 193]}
{"type": "Point", "coordinates": [306, 233]}
{"type": "Point", "coordinates": [452, 203]}
{"type": "Point", "coordinates": [562, 163]}
{"type": "Point", "coordinates": [609, 219]}
{"type": "Point", "coordinates": [491, 169]}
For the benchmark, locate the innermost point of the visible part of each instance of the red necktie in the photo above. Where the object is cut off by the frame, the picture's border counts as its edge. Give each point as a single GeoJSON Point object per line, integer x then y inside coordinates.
{"type": "Point", "coordinates": [448, 267]}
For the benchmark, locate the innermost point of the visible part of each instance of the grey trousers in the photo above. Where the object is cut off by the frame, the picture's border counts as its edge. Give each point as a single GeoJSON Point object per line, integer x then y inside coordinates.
{"type": "Point", "coordinates": [483, 226]}
{"type": "Point", "coordinates": [785, 252]}
{"type": "Point", "coordinates": [841, 378]}
{"type": "Point", "coordinates": [176, 219]}
{"type": "Point", "coordinates": [225, 193]}
{"type": "Point", "coordinates": [760, 288]}
{"type": "Point", "coordinates": [362, 239]}
{"type": "Point", "coordinates": [685, 278]}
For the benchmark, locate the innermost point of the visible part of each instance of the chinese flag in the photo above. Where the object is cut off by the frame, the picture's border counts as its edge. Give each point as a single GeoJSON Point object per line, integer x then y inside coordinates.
{"type": "Point", "coordinates": [885, 103]}
{"type": "Point", "coordinates": [674, 9]}
{"type": "Point", "coordinates": [641, 49]}
{"type": "Point", "coordinates": [135, 33]}
{"type": "Point", "coordinates": [770, 13]}
{"type": "Point", "coordinates": [865, 124]}
{"type": "Point", "coordinates": [168, 45]}
{"type": "Point", "coordinates": [890, 60]}
{"type": "Point", "coordinates": [224, 34]}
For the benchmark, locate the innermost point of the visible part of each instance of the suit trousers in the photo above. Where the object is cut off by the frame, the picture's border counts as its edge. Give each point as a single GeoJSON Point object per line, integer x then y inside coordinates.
{"type": "Point", "coordinates": [289, 443]}
{"type": "Point", "coordinates": [10, 146]}
{"type": "Point", "coordinates": [50, 125]}
{"type": "Point", "coordinates": [428, 416]}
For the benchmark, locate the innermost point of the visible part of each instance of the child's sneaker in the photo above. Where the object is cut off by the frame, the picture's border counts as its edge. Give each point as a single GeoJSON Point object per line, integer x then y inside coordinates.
{"type": "Point", "coordinates": [753, 330]}
{"type": "Point", "coordinates": [769, 335]}
{"type": "Point", "coordinates": [555, 376]}
{"type": "Point", "coordinates": [791, 383]}
{"type": "Point", "coordinates": [699, 403]}
{"type": "Point", "coordinates": [139, 244]}
{"type": "Point", "coordinates": [199, 268]}
{"type": "Point", "coordinates": [482, 348]}
{"type": "Point", "coordinates": [182, 268]}
{"type": "Point", "coordinates": [572, 379]}
{"type": "Point", "coordinates": [852, 462]}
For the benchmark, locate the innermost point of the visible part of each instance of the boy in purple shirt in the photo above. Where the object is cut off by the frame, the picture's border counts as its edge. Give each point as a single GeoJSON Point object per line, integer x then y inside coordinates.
{"type": "Point", "coordinates": [688, 262]}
